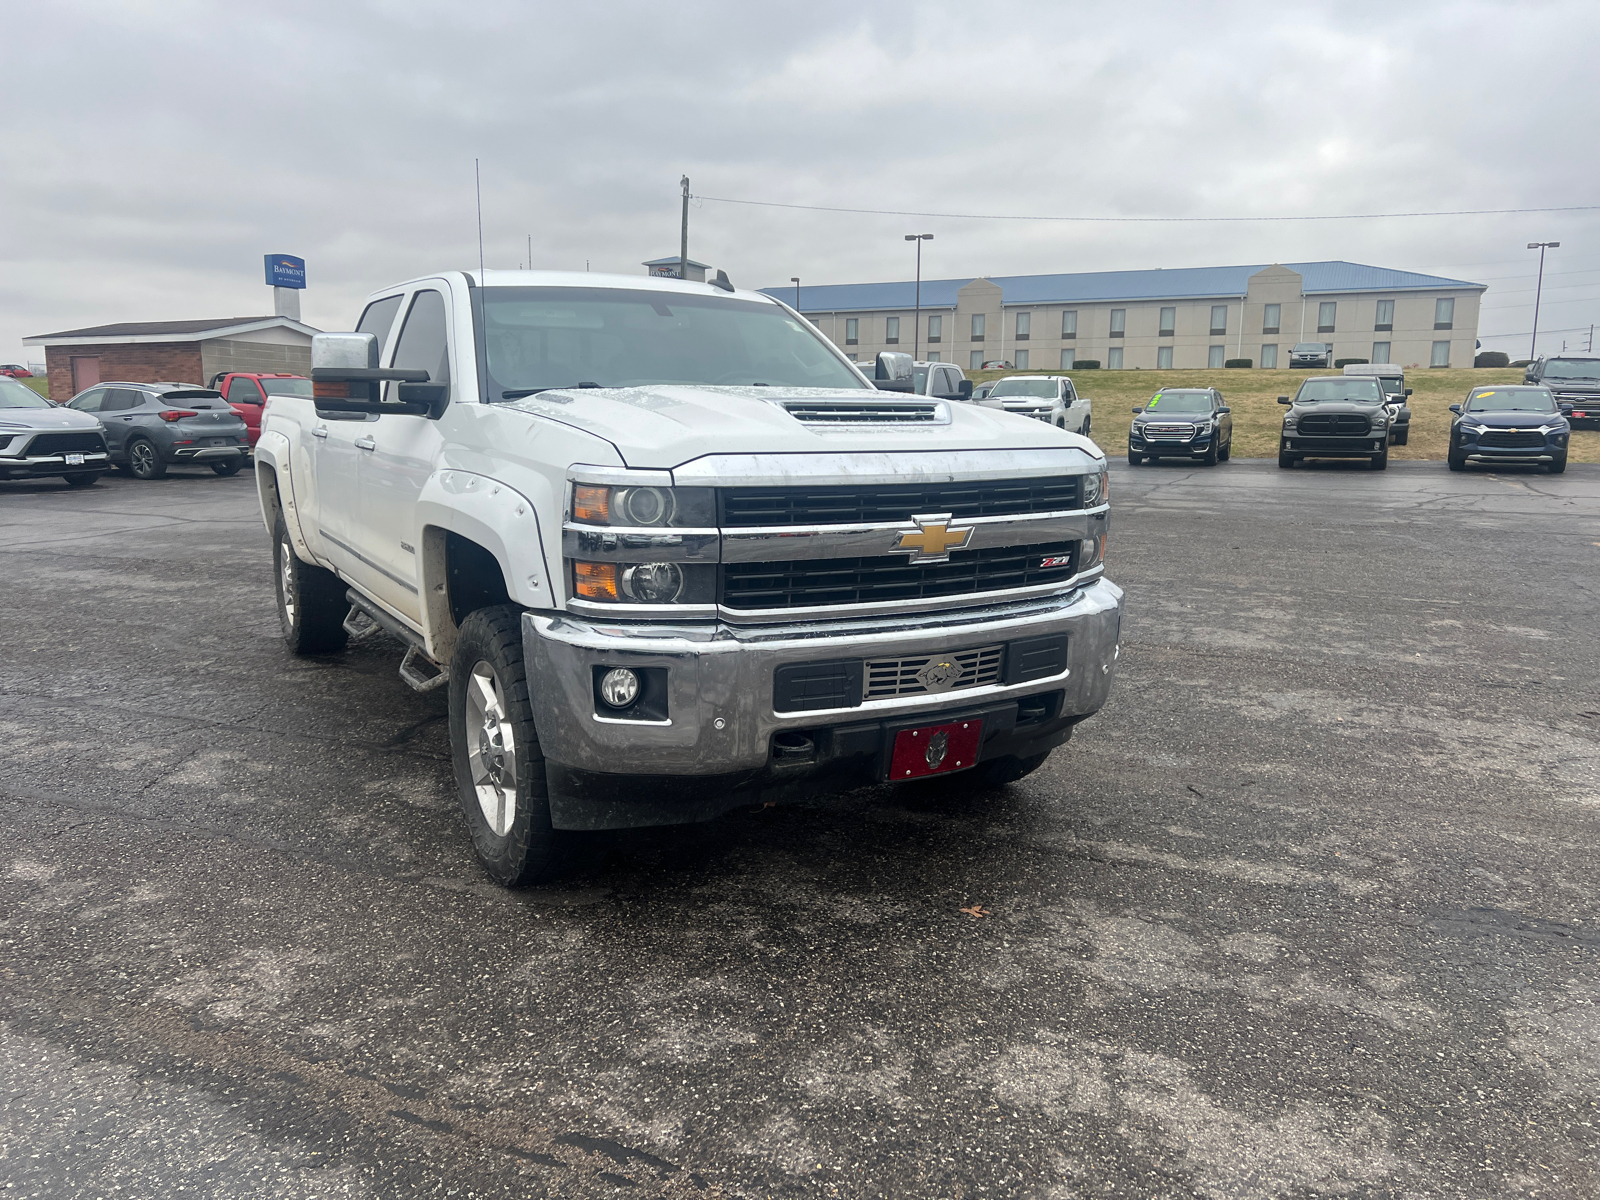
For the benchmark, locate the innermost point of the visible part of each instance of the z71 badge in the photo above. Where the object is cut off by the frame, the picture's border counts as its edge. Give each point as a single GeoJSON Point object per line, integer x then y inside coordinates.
{"type": "Point", "coordinates": [1056, 560]}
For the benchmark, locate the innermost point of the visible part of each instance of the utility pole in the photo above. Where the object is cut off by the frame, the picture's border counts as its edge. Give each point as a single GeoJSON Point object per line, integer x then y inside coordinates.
{"type": "Point", "coordinates": [1538, 288]}
{"type": "Point", "coordinates": [916, 320]}
{"type": "Point", "coordinates": [795, 279]}
{"type": "Point", "coordinates": [683, 246]}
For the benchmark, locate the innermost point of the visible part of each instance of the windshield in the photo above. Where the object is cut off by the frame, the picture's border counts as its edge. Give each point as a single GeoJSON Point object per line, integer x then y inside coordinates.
{"type": "Point", "coordinates": [1308, 348]}
{"type": "Point", "coordinates": [1362, 391]}
{"type": "Point", "coordinates": [1181, 402]}
{"type": "Point", "coordinates": [1392, 386]}
{"type": "Point", "coordinates": [20, 395]}
{"type": "Point", "coordinates": [539, 337]}
{"type": "Point", "coordinates": [1512, 399]}
{"type": "Point", "coordinates": [1044, 389]}
{"type": "Point", "coordinates": [287, 387]}
{"type": "Point", "coordinates": [1571, 368]}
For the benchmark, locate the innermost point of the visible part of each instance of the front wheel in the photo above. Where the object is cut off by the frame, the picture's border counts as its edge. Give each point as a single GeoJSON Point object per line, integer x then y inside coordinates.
{"type": "Point", "coordinates": [1285, 459]}
{"type": "Point", "coordinates": [1457, 462]}
{"type": "Point", "coordinates": [499, 766]}
{"type": "Point", "coordinates": [1227, 451]}
{"type": "Point", "coordinates": [1558, 466]}
{"type": "Point", "coordinates": [1210, 457]}
{"type": "Point", "coordinates": [311, 600]}
{"type": "Point", "coordinates": [144, 460]}
{"type": "Point", "coordinates": [1380, 462]}
{"type": "Point", "coordinates": [1134, 459]}
{"type": "Point", "coordinates": [82, 479]}
{"type": "Point", "coordinates": [1087, 422]}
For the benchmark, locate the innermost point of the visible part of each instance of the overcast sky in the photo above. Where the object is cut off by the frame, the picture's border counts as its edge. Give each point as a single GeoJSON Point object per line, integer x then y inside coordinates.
{"type": "Point", "coordinates": [153, 152]}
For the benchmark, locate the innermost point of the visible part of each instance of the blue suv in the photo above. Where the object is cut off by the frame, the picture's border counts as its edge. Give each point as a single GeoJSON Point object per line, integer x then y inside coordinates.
{"type": "Point", "coordinates": [1512, 426]}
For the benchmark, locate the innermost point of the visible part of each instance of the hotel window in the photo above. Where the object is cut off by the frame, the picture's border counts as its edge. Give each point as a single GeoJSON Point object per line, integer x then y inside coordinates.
{"type": "Point", "coordinates": [1444, 314]}
{"type": "Point", "coordinates": [975, 361]}
{"type": "Point", "coordinates": [1068, 358]}
{"type": "Point", "coordinates": [1114, 358]}
{"type": "Point", "coordinates": [1024, 326]}
{"type": "Point", "coordinates": [933, 356]}
{"type": "Point", "coordinates": [1325, 314]}
{"type": "Point", "coordinates": [935, 328]}
{"type": "Point", "coordinates": [977, 327]}
{"type": "Point", "coordinates": [1269, 357]}
{"type": "Point", "coordinates": [1164, 358]}
{"type": "Point", "coordinates": [1119, 322]}
{"type": "Point", "coordinates": [1384, 319]}
{"type": "Point", "coordinates": [852, 331]}
{"type": "Point", "coordinates": [1271, 318]}
{"type": "Point", "coordinates": [1219, 320]}
{"type": "Point", "coordinates": [891, 331]}
{"type": "Point", "coordinates": [1380, 352]}
{"type": "Point", "coordinates": [1216, 356]}
{"type": "Point", "coordinates": [1022, 358]}
{"type": "Point", "coordinates": [1441, 355]}
{"type": "Point", "coordinates": [1169, 323]}
{"type": "Point", "coordinates": [1069, 323]}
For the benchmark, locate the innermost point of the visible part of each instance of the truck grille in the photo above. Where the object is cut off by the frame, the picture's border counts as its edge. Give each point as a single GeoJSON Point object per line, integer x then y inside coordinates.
{"type": "Point", "coordinates": [804, 583]}
{"type": "Point", "coordinates": [1337, 424]}
{"type": "Point", "coordinates": [1518, 439]}
{"type": "Point", "coordinates": [66, 443]}
{"type": "Point", "coordinates": [856, 505]}
{"type": "Point", "coordinates": [887, 677]}
{"type": "Point", "coordinates": [861, 413]}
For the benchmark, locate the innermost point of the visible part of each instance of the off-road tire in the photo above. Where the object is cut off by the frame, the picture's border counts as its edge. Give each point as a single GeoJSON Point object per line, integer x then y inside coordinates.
{"type": "Point", "coordinates": [144, 460]}
{"type": "Point", "coordinates": [229, 467]}
{"type": "Point", "coordinates": [529, 850]}
{"type": "Point", "coordinates": [311, 600]}
{"type": "Point", "coordinates": [83, 479]}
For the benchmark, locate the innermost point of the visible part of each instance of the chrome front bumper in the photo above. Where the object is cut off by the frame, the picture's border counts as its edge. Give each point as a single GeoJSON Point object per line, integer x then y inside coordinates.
{"type": "Point", "coordinates": [720, 714]}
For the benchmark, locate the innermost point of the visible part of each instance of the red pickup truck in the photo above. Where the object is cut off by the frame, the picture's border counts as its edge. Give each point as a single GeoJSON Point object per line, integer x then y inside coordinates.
{"type": "Point", "coordinates": [247, 392]}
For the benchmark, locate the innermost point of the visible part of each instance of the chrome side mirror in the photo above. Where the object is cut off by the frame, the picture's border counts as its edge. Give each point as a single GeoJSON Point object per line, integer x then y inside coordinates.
{"type": "Point", "coordinates": [344, 351]}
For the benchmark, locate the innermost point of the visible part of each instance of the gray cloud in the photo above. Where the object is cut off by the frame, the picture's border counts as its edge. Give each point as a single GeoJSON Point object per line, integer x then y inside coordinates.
{"type": "Point", "coordinates": [153, 152]}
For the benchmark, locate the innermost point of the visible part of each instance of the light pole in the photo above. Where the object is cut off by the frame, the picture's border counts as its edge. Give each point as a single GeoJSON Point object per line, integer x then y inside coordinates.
{"type": "Point", "coordinates": [916, 319]}
{"type": "Point", "coordinates": [795, 279]}
{"type": "Point", "coordinates": [1539, 287]}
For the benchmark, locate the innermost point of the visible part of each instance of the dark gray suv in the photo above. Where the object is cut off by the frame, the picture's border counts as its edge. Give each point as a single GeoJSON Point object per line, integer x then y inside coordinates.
{"type": "Point", "coordinates": [152, 426]}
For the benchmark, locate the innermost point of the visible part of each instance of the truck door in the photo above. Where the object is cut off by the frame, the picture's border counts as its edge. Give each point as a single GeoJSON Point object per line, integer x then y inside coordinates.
{"type": "Point", "coordinates": [335, 443]}
{"type": "Point", "coordinates": [404, 453]}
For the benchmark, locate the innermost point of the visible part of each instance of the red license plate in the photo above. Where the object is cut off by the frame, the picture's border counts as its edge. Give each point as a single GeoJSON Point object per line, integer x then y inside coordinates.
{"type": "Point", "coordinates": [935, 749]}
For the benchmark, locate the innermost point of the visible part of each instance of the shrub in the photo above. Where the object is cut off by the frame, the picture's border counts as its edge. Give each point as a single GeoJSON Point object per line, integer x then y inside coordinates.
{"type": "Point", "coordinates": [1347, 362]}
{"type": "Point", "coordinates": [1521, 362]}
{"type": "Point", "coordinates": [1492, 358]}
{"type": "Point", "coordinates": [1086, 364]}
{"type": "Point", "coordinates": [1240, 362]}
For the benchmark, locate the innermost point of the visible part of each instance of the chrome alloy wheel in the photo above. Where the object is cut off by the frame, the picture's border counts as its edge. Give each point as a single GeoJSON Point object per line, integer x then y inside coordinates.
{"type": "Point", "coordinates": [491, 749]}
{"type": "Point", "coordinates": [286, 582]}
{"type": "Point", "coordinates": [143, 458]}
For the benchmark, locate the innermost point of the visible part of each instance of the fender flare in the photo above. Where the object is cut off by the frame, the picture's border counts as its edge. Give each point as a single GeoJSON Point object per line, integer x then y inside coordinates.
{"type": "Point", "coordinates": [275, 489]}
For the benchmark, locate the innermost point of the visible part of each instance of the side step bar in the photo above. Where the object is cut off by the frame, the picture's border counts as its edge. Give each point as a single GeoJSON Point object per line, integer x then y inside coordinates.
{"type": "Point", "coordinates": [419, 671]}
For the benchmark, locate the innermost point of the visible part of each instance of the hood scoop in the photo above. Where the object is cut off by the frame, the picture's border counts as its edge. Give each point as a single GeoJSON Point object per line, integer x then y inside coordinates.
{"type": "Point", "coordinates": [868, 412]}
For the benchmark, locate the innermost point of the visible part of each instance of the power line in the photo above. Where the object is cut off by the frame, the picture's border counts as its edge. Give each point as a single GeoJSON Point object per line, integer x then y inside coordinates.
{"type": "Point", "coordinates": [889, 212]}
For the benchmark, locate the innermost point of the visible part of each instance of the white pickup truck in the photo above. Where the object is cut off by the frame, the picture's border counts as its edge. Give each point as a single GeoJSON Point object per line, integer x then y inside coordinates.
{"type": "Point", "coordinates": [671, 553]}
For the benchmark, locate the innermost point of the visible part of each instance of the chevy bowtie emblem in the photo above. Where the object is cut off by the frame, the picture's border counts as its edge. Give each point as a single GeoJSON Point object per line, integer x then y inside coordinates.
{"type": "Point", "coordinates": [933, 540]}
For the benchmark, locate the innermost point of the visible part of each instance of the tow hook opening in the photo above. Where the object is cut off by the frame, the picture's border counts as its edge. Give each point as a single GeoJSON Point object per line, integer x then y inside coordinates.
{"type": "Point", "coordinates": [793, 746]}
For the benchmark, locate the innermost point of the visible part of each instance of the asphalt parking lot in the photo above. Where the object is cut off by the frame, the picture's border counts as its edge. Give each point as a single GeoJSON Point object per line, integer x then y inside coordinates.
{"type": "Point", "coordinates": [1311, 909]}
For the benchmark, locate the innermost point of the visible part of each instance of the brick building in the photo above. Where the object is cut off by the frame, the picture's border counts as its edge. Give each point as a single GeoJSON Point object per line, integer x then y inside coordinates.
{"type": "Point", "coordinates": [176, 351]}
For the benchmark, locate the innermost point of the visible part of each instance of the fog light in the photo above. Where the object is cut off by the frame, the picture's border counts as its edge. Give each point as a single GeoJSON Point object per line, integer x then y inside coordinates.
{"type": "Point", "coordinates": [619, 687]}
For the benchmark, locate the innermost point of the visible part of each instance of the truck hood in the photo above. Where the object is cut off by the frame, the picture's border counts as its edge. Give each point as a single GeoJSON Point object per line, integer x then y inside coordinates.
{"type": "Point", "coordinates": [664, 426]}
{"type": "Point", "coordinates": [1338, 407]}
{"type": "Point", "coordinates": [14, 419]}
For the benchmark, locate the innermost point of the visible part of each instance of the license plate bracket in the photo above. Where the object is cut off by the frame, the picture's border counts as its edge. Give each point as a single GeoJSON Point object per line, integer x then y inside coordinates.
{"type": "Point", "coordinates": [935, 749]}
{"type": "Point", "coordinates": [74, 460]}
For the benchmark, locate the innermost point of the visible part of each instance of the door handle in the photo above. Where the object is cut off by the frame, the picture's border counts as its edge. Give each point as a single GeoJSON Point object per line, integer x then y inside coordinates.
{"type": "Point", "coordinates": [366, 443]}
{"type": "Point", "coordinates": [320, 431]}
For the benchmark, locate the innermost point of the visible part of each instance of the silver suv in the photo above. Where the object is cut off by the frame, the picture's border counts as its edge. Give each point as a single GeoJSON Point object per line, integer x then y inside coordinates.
{"type": "Point", "coordinates": [151, 426]}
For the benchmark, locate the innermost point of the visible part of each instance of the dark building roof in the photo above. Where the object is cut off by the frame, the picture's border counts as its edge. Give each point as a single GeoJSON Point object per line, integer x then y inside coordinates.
{"type": "Point", "coordinates": [1180, 283]}
{"type": "Point", "coordinates": [153, 328]}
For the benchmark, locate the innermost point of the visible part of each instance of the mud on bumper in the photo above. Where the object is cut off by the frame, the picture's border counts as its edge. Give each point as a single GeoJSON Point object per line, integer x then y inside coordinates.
{"type": "Point", "coordinates": [714, 736]}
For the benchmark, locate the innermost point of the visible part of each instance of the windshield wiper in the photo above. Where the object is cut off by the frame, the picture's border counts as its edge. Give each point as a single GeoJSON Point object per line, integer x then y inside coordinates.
{"type": "Point", "coordinates": [519, 393]}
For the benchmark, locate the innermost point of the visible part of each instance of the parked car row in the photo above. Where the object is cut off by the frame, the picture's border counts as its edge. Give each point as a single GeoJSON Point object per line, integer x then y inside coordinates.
{"type": "Point", "coordinates": [141, 429]}
{"type": "Point", "coordinates": [1050, 398]}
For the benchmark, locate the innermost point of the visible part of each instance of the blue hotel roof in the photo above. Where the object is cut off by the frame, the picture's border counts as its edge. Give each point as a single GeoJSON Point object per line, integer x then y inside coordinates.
{"type": "Point", "coordinates": [1181, 283]}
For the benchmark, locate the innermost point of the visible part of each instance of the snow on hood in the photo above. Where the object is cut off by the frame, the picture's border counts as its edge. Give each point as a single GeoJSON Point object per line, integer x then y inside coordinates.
{"type": "Point", "coordinates": [664, 426]}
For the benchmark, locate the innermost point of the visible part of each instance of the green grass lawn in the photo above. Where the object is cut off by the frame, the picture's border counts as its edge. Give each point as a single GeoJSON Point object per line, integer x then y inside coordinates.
{"type": "Point", "coordinates": [1257, 415]}
{"type": "Point", "coordinates": [39, 384]}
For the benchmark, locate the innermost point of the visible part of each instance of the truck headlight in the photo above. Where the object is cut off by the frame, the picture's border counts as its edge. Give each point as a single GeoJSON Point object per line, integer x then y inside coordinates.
{"type": "Point", "coordinates": [644, 583]}
{"type": "Point", "coordinates": [643, 507]}
{"type": "Point", "coordinates": [1096, 489]}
